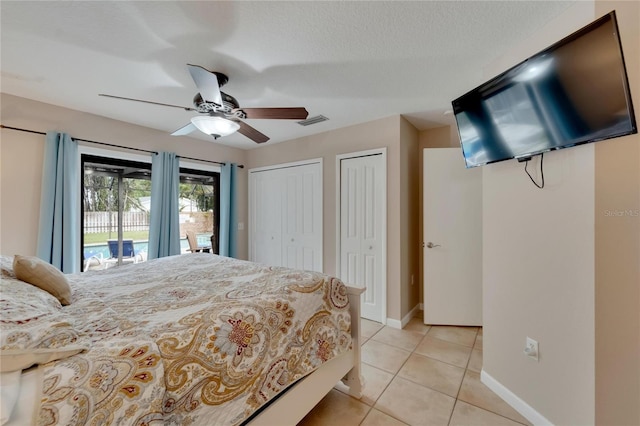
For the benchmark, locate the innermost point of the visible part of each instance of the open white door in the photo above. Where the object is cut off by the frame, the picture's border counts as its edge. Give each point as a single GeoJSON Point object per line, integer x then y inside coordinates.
{"type": "Point", "coordinates": [452, 238]}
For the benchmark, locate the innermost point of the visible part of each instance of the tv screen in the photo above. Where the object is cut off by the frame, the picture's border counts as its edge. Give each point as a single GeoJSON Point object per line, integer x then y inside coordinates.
{"type": "Point", "coordinates": [574, 92]}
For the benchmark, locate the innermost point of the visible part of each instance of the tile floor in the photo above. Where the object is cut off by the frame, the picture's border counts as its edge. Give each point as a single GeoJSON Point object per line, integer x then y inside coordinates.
{"type": "Point", "coordinates": [420, 375]}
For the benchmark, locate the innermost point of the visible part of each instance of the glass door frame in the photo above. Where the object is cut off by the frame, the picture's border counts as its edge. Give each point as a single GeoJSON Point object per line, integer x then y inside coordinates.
{"type": "Point", "coordinates": [215, 175]}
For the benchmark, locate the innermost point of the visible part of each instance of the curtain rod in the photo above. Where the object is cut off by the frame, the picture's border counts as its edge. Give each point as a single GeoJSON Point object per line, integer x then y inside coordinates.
{"type": "Point", "coordinates": [2, 126]}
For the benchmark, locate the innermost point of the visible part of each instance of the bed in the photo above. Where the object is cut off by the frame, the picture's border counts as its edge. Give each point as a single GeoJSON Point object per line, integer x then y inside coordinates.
{"type": "Point", "coordinates": [192, 339]}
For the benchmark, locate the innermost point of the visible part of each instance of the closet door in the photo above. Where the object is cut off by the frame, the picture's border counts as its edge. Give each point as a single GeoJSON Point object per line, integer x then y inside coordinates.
{"type": "Point", "coordinates": [265, 223]}
{"type": "Point", "coordinates": [285, 215]}
{"type": "Point", "coordinates": [302, 217]}
{"type": "Point", "coordinates": [362, 228]}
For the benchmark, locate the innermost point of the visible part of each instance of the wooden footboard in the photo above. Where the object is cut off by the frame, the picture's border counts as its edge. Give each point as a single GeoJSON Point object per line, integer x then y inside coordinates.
{"type": "Point", "coordinates": [297, 401]}
{"type": "Point", "coordinates": [354, 379]}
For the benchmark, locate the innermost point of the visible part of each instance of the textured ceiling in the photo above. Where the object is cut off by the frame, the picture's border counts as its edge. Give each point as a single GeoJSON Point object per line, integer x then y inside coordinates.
{"type": "Point", "coordinates": [350, 61]}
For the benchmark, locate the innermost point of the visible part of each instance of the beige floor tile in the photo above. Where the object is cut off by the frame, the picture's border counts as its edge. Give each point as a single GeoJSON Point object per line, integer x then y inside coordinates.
{"type": "Point", "coordinates": [415, 404]}
{"type": "Point", "coordinates": [336, 408]}
{"type": "Point", "coordinates": [478, 343]}
{"type": "Point", "coordinates": [383, 356]}
{"type": "Point", "coordinates": [475, 362]}
{"type": "Point", "coordinates": [476, 393]}
{"type": "Point", "coordinates": [465, 336]}
{"type": "Point", "coordinates": [425, 384]}
{"type": "Point", "coordinates": [466, 414]}
{"type": "Point", "coordinates": [434, 374]}
{"type": "Point", "coordinates": [378, 418]}
{"type": "Point", "coordinates": [403, 339]}
{"type": "Point", "coordinates": [375, 382]}
{"type": "Point", "coordinates": [369, 328]}
{"type": "Point", "coordinates": [444, 351]}
{"type": "Point", "coordinates": [417, 324]}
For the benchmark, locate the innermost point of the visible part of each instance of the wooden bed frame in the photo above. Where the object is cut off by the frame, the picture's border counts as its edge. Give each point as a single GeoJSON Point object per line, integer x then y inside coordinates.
{"type": "Point", "coordinates": [291, 407]}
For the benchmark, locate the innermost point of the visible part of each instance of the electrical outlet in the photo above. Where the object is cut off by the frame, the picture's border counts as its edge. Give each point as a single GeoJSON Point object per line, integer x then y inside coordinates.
{"type": "Point", "coordinates": [531, 349]}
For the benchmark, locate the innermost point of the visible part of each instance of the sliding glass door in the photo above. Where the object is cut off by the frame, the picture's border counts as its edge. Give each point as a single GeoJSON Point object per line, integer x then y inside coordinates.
{"type": "Point", "coordinates": [116, 205]}
{"type": "Point", "coordinates": [199, 210]}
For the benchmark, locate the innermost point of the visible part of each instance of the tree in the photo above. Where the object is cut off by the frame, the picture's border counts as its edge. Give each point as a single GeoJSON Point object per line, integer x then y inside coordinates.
{"type": "Point", "coordinates": [101, 193]}
{"type": "Point", "coordinates": [200, 193]}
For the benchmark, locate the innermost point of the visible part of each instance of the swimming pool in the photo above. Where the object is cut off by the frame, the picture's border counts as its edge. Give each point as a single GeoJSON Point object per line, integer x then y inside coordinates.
{"type": "Point", "coordinates": [101, 250]}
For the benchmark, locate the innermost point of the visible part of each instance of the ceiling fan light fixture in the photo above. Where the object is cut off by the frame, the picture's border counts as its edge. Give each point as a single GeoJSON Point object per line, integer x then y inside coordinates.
{"type": "Point", "coordinates": [215, 126]}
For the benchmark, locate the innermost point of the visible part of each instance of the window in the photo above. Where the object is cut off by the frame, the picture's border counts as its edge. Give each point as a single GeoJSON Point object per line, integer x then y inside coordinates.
{"type": "Point", "coordinates": [116, 209]}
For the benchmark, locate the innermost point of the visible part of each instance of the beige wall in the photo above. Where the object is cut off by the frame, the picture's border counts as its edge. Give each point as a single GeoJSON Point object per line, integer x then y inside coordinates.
{"type": "Point", "coordinates": [21, 162]}
{"type": "Point", "coordinates": [559, 268]}
{"type": "Point", "coordinates": [617, 249]}
{"type": "Point", "coordinates": [385, 132]}
{"type": "Point", "coordinates": [410, 206]}
{"type": "Point", "coordinates": [21, 157]}
{"type": "Point", "coordinates": [538, 266]}
{"type": "Point", "coordinates": [538, 282]}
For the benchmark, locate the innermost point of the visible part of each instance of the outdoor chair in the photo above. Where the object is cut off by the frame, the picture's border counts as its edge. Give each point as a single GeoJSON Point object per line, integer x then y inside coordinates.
{"type": "Point", "coordinates": [193, 244]}
{"type": "Point", "coordinates": [128, 252]}
{"type": "Point", "coordinates": [94, 262]}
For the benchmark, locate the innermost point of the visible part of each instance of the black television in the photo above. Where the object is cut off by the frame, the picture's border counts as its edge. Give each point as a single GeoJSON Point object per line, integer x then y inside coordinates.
{"type": "Point", "coordinates": [574, 92]}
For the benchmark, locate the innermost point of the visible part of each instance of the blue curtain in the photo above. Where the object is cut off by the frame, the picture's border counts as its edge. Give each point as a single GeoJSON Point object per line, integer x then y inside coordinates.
{"type": "Point", "coordinates": [228, 211]}
{"type": "Point", "coordinates": [59, 226]}
{"type": "Point", "coordinates": [164, 227]}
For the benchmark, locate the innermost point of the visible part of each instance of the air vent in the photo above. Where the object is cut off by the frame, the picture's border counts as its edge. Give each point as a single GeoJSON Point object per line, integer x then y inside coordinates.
{"type": "Point", "coordinates": [313, 120]}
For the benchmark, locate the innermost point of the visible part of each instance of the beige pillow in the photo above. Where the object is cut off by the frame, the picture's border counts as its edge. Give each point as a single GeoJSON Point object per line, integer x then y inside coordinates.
{"type": "Point", "coordinates": [43, 275]}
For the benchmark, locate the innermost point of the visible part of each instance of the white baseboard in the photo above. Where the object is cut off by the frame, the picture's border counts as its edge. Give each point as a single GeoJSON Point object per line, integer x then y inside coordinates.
{"type": "Point", "coordinates": [513, 400]}
{"type": "Point", "coordinates": [405, 320]}
{"type": "Point", "coordinates": [393, 323]}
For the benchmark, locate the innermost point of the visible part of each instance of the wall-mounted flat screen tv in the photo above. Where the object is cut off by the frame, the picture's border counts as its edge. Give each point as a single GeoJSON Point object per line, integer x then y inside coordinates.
{"type": "Point", "coordinates": [574, 92]}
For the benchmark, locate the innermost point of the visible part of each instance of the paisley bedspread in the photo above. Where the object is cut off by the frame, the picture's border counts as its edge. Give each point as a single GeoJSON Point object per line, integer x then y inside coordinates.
{"type": "Point", "coordinates": [191, 340]}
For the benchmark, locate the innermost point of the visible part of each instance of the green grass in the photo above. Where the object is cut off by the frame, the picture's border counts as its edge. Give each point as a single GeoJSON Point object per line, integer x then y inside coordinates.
{"type": "Point", "coordinates": [102, 237]}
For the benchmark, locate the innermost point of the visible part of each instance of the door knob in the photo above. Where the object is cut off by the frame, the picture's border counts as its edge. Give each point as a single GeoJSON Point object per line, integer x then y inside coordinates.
{"type": "Point", "coordinates": [431, 245]}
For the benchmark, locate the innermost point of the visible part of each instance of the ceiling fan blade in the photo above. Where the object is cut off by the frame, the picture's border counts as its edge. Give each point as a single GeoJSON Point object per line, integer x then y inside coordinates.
{"type": "Point", "coordinates": [276, 113]}
{"type": "Point", "coordinates": [207, 84]}
{"type": "Point", "coordinates": [147, 102]}
{"type": "Point", "coordinates": [185, 130]}
{"type": "Point", "coordinates": [251, 133]}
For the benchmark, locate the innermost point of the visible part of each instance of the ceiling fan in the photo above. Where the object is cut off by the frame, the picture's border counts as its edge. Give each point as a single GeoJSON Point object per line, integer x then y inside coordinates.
{"type": "Point", "coordinates": [222, 113]}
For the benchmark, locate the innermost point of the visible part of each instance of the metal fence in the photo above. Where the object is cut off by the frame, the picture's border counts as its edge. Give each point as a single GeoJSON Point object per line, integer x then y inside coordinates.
{"type": "Point", "coordinates": [95, 222]}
